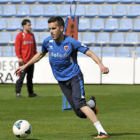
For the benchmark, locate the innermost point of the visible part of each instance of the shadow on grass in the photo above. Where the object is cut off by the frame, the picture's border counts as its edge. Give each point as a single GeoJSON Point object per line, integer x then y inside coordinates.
{"type": "Point", "coordinates": [28, 139]}
{"type": "Point", "coordinates": [121, 134]}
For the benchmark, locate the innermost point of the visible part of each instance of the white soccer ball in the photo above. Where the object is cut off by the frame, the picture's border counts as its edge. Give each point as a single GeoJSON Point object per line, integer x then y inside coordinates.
{"type": "Point", "coordinates": [22, 128]}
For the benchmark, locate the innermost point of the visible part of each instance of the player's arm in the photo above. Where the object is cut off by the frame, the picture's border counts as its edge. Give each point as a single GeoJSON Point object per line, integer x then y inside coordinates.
{"type": "Point", "coordinates": [104, 69]}
{"type": "Point", "coordinates": [35, 59]}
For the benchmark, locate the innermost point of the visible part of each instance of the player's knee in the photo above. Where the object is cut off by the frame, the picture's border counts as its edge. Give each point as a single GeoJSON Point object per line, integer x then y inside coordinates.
{"type": "Point", "coordinates": [80, 114]}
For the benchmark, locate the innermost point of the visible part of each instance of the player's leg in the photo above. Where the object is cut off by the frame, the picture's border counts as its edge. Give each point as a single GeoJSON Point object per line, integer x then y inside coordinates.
{"type": "Point", "coordinates": [78, 95]}
{"type": "Point", "coordinates": [66, 89]}
{"type": "Point", "coordinates": [30, 72]}
{"type": "Point", "coordinates": [19, 83]}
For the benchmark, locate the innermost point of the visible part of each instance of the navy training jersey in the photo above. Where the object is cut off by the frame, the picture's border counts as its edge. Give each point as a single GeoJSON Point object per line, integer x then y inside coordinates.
{"type": "Point", "coordinates": [63, 56]}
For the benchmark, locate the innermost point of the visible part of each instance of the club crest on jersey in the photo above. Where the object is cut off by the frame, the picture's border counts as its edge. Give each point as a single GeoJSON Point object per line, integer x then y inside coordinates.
{"type": "Point", "coordinates": [66, 48]}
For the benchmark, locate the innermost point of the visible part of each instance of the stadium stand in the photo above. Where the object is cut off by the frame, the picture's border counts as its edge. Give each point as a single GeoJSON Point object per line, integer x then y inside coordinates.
{"type": "Point", "coordinates": [37, 10]}
{"type": "Point", "coordinates": [92, 11]}
{"type": "Point", "coordinates": [120, 11]}
{"type": "Point", "coordinates": [109, 52]}
{"type": "Point", "coordinates": [50, 10]}
{"type": "Point", "coordinates": [96, 50]}
{"type": "Point", "coordinates": [84, 24]}
{"type": "Point", "coordinates": [111, 25]}
{"type": "Point", "coordinates": [41, 24]}
{"type": "Point", "coordinates": [9, 11]}
{"type": "Point", "coordinates": [14, 24]}
{"type": "Point", "coordinates": [7, 51]}
{"type": "Point", "coordinates": [5, 38]}
{"type": "Point", "coordinates": [0, 51]}
{"type": "Point", "coordinates": [3, 24]}
{"type": "Point", "coordinates": [123, 52]}
{"type": "Point", "coordinates": [97, 25]}
{"type": "Point", "coordinates": [106, 11]}
{"type": "Point", "coordinates": [64, 10]}
{"type": "Point", "coordinates": [23, 11]}
{"type": "Point", "coordinates": [101, 22]}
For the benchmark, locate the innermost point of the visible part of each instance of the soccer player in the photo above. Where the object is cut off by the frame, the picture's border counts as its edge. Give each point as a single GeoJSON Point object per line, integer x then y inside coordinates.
{"type": "Point", "coordinates": [62, 51]}
{"type": "Point", "coordinates": [25, 48]}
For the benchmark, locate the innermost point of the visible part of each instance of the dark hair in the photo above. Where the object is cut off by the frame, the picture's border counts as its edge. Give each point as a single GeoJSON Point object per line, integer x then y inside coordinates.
{"type": "Point", "coordinates": [59, 20]}
{"type": "Point", "coordinates": [25, 21]}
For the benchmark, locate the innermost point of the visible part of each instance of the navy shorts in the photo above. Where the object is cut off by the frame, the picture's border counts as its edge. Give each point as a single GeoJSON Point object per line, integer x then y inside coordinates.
{"type": "Point", "coordinates": [73, 89]}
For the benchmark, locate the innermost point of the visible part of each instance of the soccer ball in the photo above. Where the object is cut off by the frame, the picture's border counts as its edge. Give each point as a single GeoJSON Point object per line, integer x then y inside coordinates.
{"type": "Point", "coordinates": [22, 128]}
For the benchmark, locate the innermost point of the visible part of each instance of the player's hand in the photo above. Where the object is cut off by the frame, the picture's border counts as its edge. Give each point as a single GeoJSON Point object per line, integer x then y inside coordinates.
{"type": "Point", "coordinates": [19, 69]}
{"type": "Point", "coordinates": [20, 61]}
{"type": "Point", "coordinates": [105, 70]}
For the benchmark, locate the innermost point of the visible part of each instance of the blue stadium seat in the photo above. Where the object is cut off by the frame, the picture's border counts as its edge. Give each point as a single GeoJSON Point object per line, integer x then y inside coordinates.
{"type": "Point", "coordinates": [13, 51]}
{"type": "Point", "coordinates": [37, 10]}
{"type": "Point", "coordinates": [102, 39]}
{"type": "Point", "coordinates": [44, 1]}
{"type": "Point", "coordinates": [137, 1]}
{"type": "Point", "coordinates": [14, 24]}
{"type": "Point", "coordinates": [84, 1]}
{"type": "Point", "coordinates": [43, 36]}
{"type": "Point", "coordinates": [39, 48]}
{"type": "Point", "coordinates": [81, 54]}
{"type": "Point", "coordinates": [126, 1]}
{"type": "Point", "coordinates": [84, 24]}
{"type": "Point", "coordinates": [0, 51]}
{"type": "Point", "coordinates": [89, 38]}
{"type": "Point", "coordinates": [109, 52]}
{"type": "Point", "coordinates": [36, 35]}
{"type": "Point", "coordinates": [1, 9]}
{"type": "Point", "coordinates": [111, 25]}
{"type": "Point", "coordinates": [9, 11]}
{"type": "Point", "coordinates": [79, 37]}
{"type": "Point", "coordinates": [117, 39]}
{"type": "Point", "coordinates": [64, 10]}
{"type": "Point", "coordinates": [23, 11]}
{"type": "Point", "coordinates": [131, 38]}
{"type": "Point", "coordinates": [41, 24]}
{"type": "Point", "coordinates": [14, 37]}
{"type": "Point", "coordinates": [120, 11]}
{"type": "Point", "coordinates": [50, 10]}
{"type": "Point", "coordinates": [80, 10]}
{"type": "Point", "coordinates": [134, 11]}
{"type": "Point", "coordinates": [57, 1]}
{"type": "Point", "coordinates": [136, 25]}
{"type": "Point", "coordinates": [137, 49]}
{"type": "Point", "coordinates": [96, 50]}
{"type": "Point", "coordinates": [5, 38]}
{"type": "Point", "coordinates": [7, 51]}
{"type": "Point", "coordinates": [123, 52]}
{"type": "Point", "coordinates": [16, 1]}
{"type": "Point", "coordinates": [125, 25]}
{"type": "Point", "coordinates": [112, 1]}
{"type": "Point", "coordinates": [97, 25]}
{"type": "Point", "coordinates": [99, 1]}
{"type": "Point", "coordinates": [4, 1]}
{"type": "Point", "coordinates": [92, 11]}
{"type": "Point", "coordinates": [30, 1]}
{"type": "Point", "coordinates": [3, 24]}
{"type": "Point", "coordinates": [106, 11]}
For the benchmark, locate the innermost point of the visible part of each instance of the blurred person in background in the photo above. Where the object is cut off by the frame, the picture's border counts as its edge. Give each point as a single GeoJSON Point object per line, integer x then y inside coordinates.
{"type": "Point", "coordinates": [25, 48]}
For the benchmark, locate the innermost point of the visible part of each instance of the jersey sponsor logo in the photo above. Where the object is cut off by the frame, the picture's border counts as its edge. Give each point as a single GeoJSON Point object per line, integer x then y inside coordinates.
{"type": "Point", "coordinates": [27, 42]}
{"type": "Point", "coordinates": [66, 48]}
{"type": "Point", "coordinates": [58, 55]}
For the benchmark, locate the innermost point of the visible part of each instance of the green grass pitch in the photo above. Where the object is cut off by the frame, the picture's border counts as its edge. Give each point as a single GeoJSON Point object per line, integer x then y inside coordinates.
{"type": "Point", "coordinates": [119, 113]}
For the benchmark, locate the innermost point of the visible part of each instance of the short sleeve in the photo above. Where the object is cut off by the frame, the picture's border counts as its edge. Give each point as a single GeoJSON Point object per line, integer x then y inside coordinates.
{"type": "Point", "coordinates": [44, 48]}
{"type": "Point", "coordinates": [80, 46]}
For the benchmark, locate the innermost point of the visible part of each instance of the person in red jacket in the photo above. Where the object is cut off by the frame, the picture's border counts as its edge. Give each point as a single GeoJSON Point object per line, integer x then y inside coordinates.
{"type": "Point", "coordinates": [25, 48]}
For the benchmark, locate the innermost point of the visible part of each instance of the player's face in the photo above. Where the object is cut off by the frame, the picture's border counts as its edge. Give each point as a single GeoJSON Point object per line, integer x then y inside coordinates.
{"type": "Point", "coordinates": [56, 31]}
{"type": "Point", "coordinates": [27, 27]}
